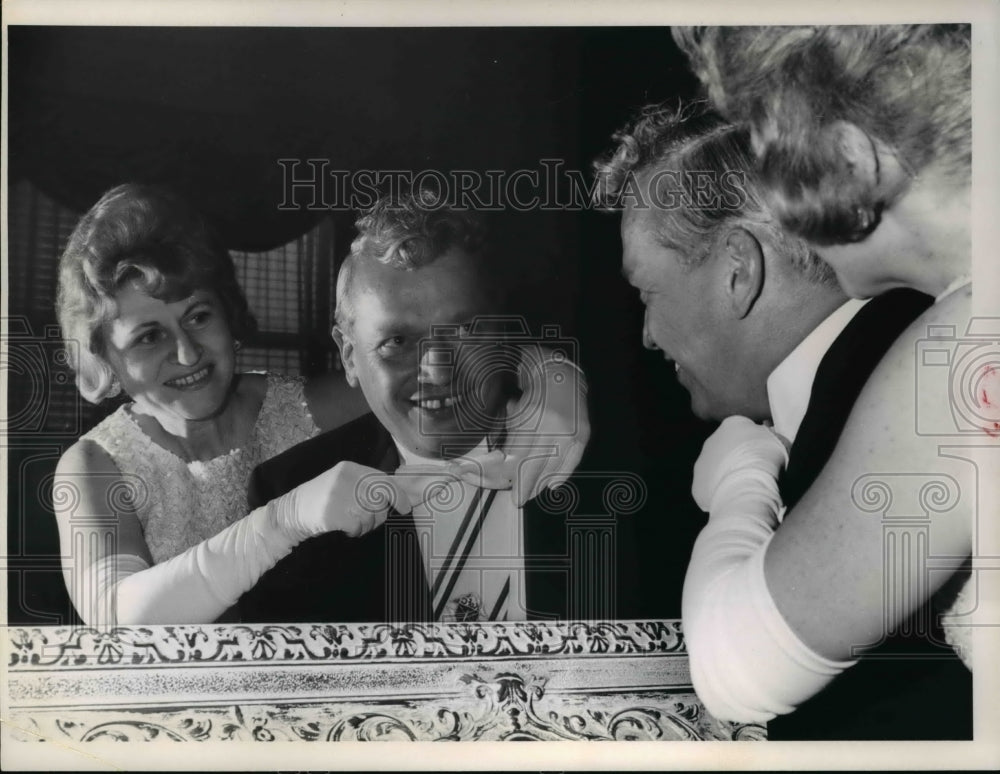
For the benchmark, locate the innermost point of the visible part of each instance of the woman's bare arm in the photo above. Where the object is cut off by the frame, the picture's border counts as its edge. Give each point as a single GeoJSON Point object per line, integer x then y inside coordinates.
{"type": "Point", "coordinates": [96, 520]}
{"type": "Point", "coordinates": [776, 606]}
{"type": "Point", "coordinates": [109, 571]}
{"type": "Point", "coordinates": [830, 566]}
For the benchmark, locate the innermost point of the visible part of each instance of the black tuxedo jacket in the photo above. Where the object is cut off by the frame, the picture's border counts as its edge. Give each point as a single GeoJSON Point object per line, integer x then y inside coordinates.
{"type": "Point", "coordinates": [380, 576]}
{"type": "Point", "coordinates": [907, 688]}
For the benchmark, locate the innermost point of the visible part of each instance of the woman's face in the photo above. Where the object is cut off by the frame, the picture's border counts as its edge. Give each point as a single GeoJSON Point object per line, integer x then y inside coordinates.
{"type": "Point", "coordinates": [175, 359]}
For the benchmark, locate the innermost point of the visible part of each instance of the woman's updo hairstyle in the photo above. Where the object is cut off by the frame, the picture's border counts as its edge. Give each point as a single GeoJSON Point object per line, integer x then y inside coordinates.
{"type": "Point", "coordinates": [906, 86]}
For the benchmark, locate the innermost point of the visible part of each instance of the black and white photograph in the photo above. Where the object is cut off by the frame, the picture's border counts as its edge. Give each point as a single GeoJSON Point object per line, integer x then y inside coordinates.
{"type": "Point", "coordinates": [410, 373]}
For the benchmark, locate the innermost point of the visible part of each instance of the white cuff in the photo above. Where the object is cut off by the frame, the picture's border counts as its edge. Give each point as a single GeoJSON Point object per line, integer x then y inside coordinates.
{"type": "Point", "coordinates": [747, 664]}
{"type": "Point", "coordinates": [196, 586]}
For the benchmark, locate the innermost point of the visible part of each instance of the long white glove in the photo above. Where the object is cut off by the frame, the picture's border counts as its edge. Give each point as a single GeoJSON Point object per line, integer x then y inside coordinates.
{"type": "Point", "coordinates": [200, 584]}
{"type": "Point", "coordinates": [548, 428]}
{"type": "Point", "coordinates": [746, 663]}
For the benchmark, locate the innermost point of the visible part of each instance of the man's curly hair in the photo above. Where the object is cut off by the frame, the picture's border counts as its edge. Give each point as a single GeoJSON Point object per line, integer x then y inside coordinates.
{"type": "Point", "coordinates": [700, 151]}
{"type": "Point", "coordinates": [407, 231]}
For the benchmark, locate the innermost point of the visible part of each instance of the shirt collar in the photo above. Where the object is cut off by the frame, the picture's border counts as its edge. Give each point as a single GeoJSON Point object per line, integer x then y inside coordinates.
{"type": "Point", "coordinates": [790, 384]}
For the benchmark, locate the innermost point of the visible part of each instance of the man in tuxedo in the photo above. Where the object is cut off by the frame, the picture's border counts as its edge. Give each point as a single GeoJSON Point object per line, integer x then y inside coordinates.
{"type": "Point", "coordinates": [420, 330]}
{"type": "Point", "coordinates": [756, 326]}
{"type": "Point", "coordinates": [742, 310]}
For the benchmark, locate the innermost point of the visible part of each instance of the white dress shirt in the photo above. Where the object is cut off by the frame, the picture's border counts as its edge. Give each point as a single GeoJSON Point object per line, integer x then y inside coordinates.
{"type": "Point", "coordinates": [790, 384]}
{"type": "Point", "coordinates": [496, 554]}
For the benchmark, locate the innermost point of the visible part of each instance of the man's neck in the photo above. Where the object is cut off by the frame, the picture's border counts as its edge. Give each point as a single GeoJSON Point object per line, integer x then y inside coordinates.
{"type": "Point", "coordinates": [810, 305]}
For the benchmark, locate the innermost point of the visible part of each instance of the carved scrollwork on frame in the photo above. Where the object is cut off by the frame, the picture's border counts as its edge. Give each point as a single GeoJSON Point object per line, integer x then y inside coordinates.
{"type": "Point", "coordinates": [475, 681]}
{"type": "Point", "coordinates": [510, 712]}
{"type": "Point", "coordinates": [225, 724]}
{"type": "Point", "coordinates": [130, 731]}
{"type": "Point", "coordinates": [372, 727]}
{"type": "Point", "coordinates": [170, 645]}
{"type": "Point", "coordinates": [749, 732]}
{"type": "Point", "coordinates": [506, 706]}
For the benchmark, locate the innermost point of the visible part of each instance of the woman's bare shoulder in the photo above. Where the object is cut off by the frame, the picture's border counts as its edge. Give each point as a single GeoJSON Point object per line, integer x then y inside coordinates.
{"type": "Point", "coordinates": [88, 481]}
{"type": "Point", "coordinates": [88, 494]}
{"type": "Point", "coordinates": [914, 381]}
{"type": "Point", "coordinates": [86, 456]}
{"type": "Point", "coordinates": [882, 448]}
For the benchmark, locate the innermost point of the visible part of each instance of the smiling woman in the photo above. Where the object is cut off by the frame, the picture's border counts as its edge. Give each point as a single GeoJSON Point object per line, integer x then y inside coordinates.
{"type": "Point", "coordinates": [173, 358]}
{"type": "Point", "coordinates": [151, 503]}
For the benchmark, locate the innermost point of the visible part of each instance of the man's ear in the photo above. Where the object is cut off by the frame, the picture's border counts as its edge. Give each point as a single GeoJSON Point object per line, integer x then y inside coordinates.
{"type": "Point", "coordinates": [346, 346]}
{"type": "Point", "coordinates": [744, 265]}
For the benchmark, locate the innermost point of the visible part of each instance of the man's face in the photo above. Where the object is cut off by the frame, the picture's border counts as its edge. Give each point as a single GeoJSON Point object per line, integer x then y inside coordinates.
{"type": "Point", "coordinates": [415, 377]}
{"type": "Point", "coordinates": [687, 318]}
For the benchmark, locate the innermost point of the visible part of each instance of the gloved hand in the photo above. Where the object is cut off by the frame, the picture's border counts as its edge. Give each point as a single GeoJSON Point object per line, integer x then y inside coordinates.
{"type": "Point", "coordinates": [740, 458]}
{"type": "Point", "coordinates": [349, 498]}
{"type": "Point", "coordinates": [746, 663]}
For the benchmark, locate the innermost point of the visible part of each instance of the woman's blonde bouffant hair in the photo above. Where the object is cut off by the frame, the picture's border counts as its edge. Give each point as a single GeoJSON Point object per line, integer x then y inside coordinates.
{"type": "Point", "coordinates": [906, 86]}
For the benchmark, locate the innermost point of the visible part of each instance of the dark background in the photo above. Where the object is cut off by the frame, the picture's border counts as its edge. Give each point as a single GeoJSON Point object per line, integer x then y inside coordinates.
{"type": "Point", "coordinates": [209, 111]}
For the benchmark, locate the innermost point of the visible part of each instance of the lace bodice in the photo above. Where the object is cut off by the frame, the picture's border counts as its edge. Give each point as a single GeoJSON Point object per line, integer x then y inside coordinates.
{"type": "Point", "coordinates": [959, 633]}
{"type": "Point", "coordinates": [183, 503]}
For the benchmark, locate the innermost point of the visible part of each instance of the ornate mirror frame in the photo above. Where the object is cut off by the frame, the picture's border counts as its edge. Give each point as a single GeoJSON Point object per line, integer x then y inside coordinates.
{"type": "Point", "coordinates": [624, 680]}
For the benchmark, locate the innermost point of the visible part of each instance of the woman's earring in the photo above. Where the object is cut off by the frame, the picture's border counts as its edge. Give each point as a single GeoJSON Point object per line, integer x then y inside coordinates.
{"type": "Point", "coordinates": [114, 389]}
{"type": "Point", "coordinates": [866, 219]}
